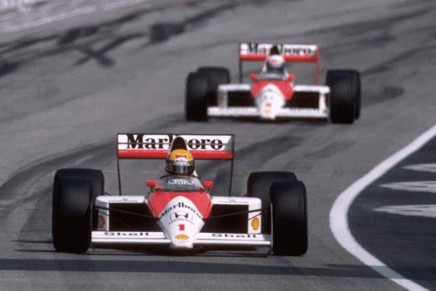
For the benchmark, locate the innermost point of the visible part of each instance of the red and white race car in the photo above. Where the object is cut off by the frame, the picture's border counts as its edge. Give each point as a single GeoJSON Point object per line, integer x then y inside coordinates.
{"type": "Point", "coordinates": [272, 92]}
{"type": "Point", "coordinates": [178, 211]}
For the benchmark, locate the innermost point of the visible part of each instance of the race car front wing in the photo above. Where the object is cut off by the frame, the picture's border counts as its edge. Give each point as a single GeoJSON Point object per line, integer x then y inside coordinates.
{"type": "Point", "coordinates": [159, 238]}
{"type": "Point", "coordinates": [224, 92]}
{"type": "Point", "coordinates": [254, 112]}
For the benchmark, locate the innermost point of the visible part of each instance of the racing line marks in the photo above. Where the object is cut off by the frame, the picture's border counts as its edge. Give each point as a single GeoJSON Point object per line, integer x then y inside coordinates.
{"type": "Point", "coordinates": [422, 167]}
{"type": "Point", "coordinates": [339, 213]}
{"type": "Point", "coordinates": [410, 210]}
{"type": "Point", "coordinates": [417, 186]}
{"type": "Point", "coordinates": [420, 186]}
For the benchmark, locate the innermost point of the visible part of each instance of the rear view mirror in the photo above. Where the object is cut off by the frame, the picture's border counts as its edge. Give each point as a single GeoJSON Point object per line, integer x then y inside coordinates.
{"type": "Point", "coordinates": [208, 184]}
{"type": "Point", "coordinates": [151, 183]}
{"type": "Point", "coordinates": [253, 76]}
{"type": "Point", "coordinates": [291, 77]}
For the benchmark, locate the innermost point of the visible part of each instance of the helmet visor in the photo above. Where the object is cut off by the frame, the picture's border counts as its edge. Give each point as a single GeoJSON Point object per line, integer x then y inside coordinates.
{"type": "Point", "coordinates": [180, 168]}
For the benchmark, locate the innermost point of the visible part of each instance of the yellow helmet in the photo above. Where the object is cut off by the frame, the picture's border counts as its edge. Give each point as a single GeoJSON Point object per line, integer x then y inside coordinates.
{"type": "Point", "coordinates": [180, 162]}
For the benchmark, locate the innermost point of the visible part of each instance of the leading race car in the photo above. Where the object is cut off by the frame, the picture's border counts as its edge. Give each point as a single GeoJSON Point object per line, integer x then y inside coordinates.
{"type": "Point", "coordinates": [178, 211]}
{"type": "Point", "coordinates": [272, 92]}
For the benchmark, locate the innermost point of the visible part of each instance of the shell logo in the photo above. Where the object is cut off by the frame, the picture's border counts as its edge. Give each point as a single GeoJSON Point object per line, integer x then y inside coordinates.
{"type": "Point", "coordinates": [255, 223]}
{"type": "Point", "coordinates": [182, 237]}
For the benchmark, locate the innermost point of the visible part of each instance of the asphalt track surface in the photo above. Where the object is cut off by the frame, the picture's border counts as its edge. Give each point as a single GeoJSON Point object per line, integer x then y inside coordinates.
{"type": "Point", "coordinates": [68, 87]}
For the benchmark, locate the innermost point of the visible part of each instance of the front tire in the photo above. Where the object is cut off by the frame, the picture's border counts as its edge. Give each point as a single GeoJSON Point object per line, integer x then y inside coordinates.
{"type": "Point", "coordinates": [95, 177]}
{"type": "Point", "coordinates": [215, 76]}
{"type": "Point", "coordinates": [345, 95]}
{"type": "Point", "coordinates": [289, 218]}
{"type": "Point", "coordinates": [258, 185]}
{"type": "Point", "coordinates": [196, 102]}
{"type": "Point", "coordinates": [72, 215]}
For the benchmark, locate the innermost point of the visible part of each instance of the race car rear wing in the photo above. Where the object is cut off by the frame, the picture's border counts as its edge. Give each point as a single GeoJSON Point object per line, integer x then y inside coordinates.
{"type": "Point", "coordinates": [157, 146]}
{"type": "Point", "coordinates": [259, 52]}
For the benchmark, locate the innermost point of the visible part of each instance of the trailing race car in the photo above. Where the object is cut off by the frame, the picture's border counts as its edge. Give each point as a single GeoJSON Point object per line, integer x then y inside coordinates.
{"type": "Point", "coordinates": [272, 93]}
{"type": "Point", "coordinates": [178, 211]}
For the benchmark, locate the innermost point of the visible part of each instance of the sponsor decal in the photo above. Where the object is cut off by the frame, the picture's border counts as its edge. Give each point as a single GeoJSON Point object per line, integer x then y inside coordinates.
{"type": "Point", "coordinates": [232, 201]}
{"type": "Point", "coordinates": [305, 110]}
{"type": "Point", "coordinates": [180, 216]}
{"type": "Point", "coordinates": [231, 235]}
{"type": "Point", "coordinates": [125, 234]}
{"type": "Point", "coordinates": [180, 182]}
{"type": "Point", "coordinates": [298, 50]}
{"type": "Point", "coordinates": [254, 48]}
{"type": "Point", "coordinates": [119, 199]}
{"type": "Point", "coordinates": [255, 223]}
{"type": "Point", "coordinates": [181, 157]}
{"type": "Point", "coordinates": [181, 205]}
{"type": "Point", "coordinates": [142, 141]}
{"type": "Point", "coordinates": [182, 237]}
{"type": "Point", "coordinates": [284, 49]}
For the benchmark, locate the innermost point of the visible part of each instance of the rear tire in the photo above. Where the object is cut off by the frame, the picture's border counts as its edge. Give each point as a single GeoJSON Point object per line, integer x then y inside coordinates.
{"type": "Point", "coordinates": [72, 215]}
{"type": "Point", "coordinates": [215, 76]}
{"type": "Point", "coordinates": [258, 185]}
{"type": "Point", "coordinates": [344, 99]}
{"type": "Point", "coordinates": [289, 218]}
{"type": "Point", "coordinates": [196, 102]}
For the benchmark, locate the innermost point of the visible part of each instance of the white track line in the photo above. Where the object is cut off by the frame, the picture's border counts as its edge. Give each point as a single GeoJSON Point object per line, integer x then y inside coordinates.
{"type": "Point", "coordinates": [339, 213]}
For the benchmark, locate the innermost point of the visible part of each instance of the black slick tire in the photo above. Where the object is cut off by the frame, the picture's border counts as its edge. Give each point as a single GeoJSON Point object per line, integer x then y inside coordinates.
{"type": "Point", "coordinates": [95, 177]}
{"type": "Point", "coordinates": [72, 215]}
{"type": "Point", "coordinates": [215, 76]}
{"type": "Point", "coordinates": [289, 218]}
{"type": "Point", "coordinates": [196, 102]}
{"type": "Point", "coordinates": [258, 185]}
{"type": "Point", "coordinates": [345, 95]}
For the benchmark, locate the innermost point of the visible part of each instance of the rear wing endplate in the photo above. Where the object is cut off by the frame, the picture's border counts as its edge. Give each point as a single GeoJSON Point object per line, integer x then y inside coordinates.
{"type": "Point", "coordinates": [259, 52]}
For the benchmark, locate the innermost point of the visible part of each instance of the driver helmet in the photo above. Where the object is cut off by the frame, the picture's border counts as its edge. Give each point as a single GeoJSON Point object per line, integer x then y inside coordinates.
{"type": "Point", "coordinates": [180, 162]}
{"type": "Point", "coordinates": [275, 63]}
